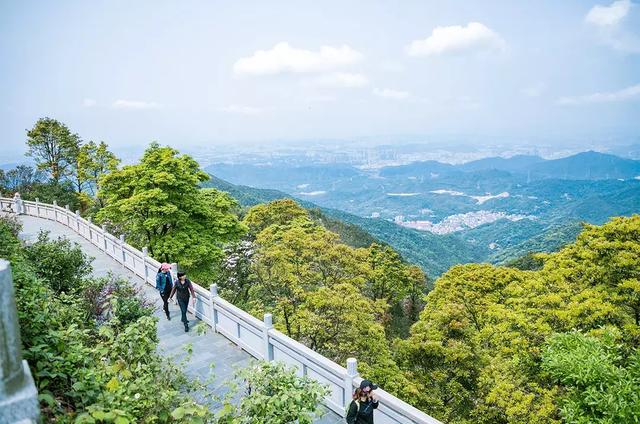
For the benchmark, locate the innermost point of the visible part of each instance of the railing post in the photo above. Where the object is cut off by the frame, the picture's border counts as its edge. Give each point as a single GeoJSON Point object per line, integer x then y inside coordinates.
{"type": "Point", "coordinates": [268, 325]}
{"type": "Point", "coordinates": [66, 211]}
{"type": "Point", "coordinates": [104, 237]}
{"type": "Point", "coordinates": [352, 372]}
{"type": "Point", "coordinates": [145, 253]}
{"type": "Point", "coordinates": [89, 228]}
{"type": "Point", "coordinates": [78, 221]}
{"type": "Point", "coordinates": [214, 313]}
{"type": "Point", "coordinates": [55, 210]}
{"type": "Point", "coordinates": [37, 207]}
{"type": "Point", "coordinates": [174, 271]}
{"type": "Point", "coordinates": [122, 249]}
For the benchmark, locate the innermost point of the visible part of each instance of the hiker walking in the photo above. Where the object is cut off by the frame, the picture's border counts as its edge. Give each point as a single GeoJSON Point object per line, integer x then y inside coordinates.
{"type": "Point", "coordinates": [164, 284]}
{"type": "Point", "coordinates": [182, 288]}
{"type": "Point", "coordinates": [363, 404]}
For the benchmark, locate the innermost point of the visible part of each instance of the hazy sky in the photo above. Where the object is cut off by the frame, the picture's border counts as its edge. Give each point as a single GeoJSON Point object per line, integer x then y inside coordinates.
{"type": "Point", "coordinates": [198, 72]}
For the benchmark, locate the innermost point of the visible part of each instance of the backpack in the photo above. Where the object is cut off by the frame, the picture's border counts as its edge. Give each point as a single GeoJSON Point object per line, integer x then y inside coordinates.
{"type": "Point", "coordinates": [357, 408]}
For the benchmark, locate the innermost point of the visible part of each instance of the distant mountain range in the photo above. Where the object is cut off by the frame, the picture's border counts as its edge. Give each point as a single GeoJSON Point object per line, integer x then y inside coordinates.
{"type": "Point", "coordinates": [582, 166]}
{"type": "Point", "coordinates": [492, 209]}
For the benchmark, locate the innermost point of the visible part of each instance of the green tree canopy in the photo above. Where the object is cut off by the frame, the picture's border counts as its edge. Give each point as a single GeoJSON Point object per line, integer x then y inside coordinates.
{"type": "Point", "coordinates": [158, 203]}
{"type": "Point", "coordinates": [92, 162]}
{"type": "Point", "coordinates": [324, 293]}
{"type": "Point", "coordinates": [477, 349]}
{"type": "Point", "coordinates": [278, 212]}
{"type": "Point", "coordinates": [601, 380]}
{"type": "Point", "coordinates": [53, 147]}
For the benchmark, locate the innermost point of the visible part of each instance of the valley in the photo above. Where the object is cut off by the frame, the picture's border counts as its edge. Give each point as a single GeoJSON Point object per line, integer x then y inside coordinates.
{"type": "Point", "coordinates": [438, 214]}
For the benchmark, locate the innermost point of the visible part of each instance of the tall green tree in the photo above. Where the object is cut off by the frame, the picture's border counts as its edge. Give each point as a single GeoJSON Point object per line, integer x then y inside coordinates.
{"type": "Point", "coordinates": [92, 162]}
{"type": "Point", "coordinates": [319, 289]}
{"type": "Point", "coordinates": [158, 203]}
{"type": "Point", "coordinates": [280, 212]}
{"type": "Point", "coordinates": [53, 147]}
{"type": "Point", "coordinates": [388, 278]}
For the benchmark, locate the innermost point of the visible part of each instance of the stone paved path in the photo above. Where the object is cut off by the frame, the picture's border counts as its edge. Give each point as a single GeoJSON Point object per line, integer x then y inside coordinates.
{"type": "Point", "coordinates": [209, 348]}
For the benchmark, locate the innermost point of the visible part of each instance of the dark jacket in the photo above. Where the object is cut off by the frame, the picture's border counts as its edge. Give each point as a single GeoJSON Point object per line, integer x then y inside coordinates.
{"type": "Point", "coordinates": [361, 412]}
{"type": "Point", "coordinates": [182, 290]}
{"type": "Point", "coordinates": [163, 282]}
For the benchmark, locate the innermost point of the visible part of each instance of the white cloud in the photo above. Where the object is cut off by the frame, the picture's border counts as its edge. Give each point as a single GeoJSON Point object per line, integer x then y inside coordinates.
{"type": "Point", "coordinates": [456, 39]}
{"type": "Point", "coordinates": [283, 58]}
{"type": "Point", "coordinates": [608, 15]}
{"type": "Point", "coordinates": [628, 93]}
{"type": "Point", "coordinates": [342, 79]}
{"type": "Point", "coordinates": [134, 105]}
{"type": "Point", "coordinates": [89, 102]}
{"type": "Point", "coordinates": [616, 25]}
{"type": "Point", "coordinates": [242, 110]}
{"type": "Point", "coordinates": [390, 94]}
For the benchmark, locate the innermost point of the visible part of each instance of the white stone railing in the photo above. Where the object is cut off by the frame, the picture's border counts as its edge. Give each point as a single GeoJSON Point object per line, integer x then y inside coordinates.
{"type": "Point", "coordinates": [256, 337]}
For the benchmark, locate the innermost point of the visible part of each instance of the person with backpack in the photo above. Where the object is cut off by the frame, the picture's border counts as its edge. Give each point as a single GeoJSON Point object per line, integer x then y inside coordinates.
{"type": "Point", "coordinates": [182, 288]}
{"type": "Point", "coordinates": [363, 403]}
{"type": "Point", "coordinates": [164, 284]}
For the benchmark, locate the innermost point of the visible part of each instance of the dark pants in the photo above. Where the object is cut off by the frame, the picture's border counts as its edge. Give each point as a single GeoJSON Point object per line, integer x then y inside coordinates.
{"type": "Point", "coordinates": [165, 302]}
{"type": "Point", "coordinates": [184, 303]}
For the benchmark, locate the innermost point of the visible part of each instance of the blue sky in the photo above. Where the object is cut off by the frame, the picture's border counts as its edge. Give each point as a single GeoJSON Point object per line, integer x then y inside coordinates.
{"type": "Point", "coordinates": [208, 72]}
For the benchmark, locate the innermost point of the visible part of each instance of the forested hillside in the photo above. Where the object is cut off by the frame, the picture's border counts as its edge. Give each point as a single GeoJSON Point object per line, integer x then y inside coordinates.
{"type": "Point", "coordinates": [493, 209]}
{"type": "Point", "coordinates": [499, 345]}
{"type": "Point", "coordinates": [433, 253]}
{"type": "Point", "coordinates": [551, 339]}
{"type": "Point", "coordinates": [493, 344]}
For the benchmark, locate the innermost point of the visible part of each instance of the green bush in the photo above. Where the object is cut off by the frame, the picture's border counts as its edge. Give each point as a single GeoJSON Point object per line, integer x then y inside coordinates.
{"type": "Point", "coordinates": [60, 263]}
{"type": "Point", "coordinates": [86, 370]}
{"type": "Point", "coordinates": [602, 384]}
{"type": "Point", "coordinates": [273, 394]}
{"type": "Point", "coordinates": [115, 299]}
{"type": "Point", "coordinates": [92, 348]}
{"type": "Point", "coordinates": [9, 229]}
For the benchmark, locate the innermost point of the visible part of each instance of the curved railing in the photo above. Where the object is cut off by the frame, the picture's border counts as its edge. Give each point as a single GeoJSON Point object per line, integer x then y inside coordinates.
{"type": "Point", "coordinates": [256, 337]}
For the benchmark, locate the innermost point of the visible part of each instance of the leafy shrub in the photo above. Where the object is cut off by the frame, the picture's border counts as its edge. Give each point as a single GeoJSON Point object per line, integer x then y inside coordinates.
{"type": "Point", "coordinates": [58, 262]}
{"type": "Point", "coordinates": [601, 385]}
{"type": "Point", "coordinates": [273, 394]}
{"type": "Point", "coordinates": [9, 229]}
{"type": "Point", "coordinates": [93, 353]}
{"type": "Point", "coordinates": [84, 372]}
{"type": "Point", "coordinates": [112, 298]}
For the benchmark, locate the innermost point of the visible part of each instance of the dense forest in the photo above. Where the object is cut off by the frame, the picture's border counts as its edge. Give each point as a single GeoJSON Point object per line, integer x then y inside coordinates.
{"type": "Point", "coordinates": [552, 338]}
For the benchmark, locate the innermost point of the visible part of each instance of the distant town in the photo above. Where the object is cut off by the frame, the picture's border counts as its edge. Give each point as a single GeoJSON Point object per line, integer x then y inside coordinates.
{"type": "Point", "coordinates": [458, 222]}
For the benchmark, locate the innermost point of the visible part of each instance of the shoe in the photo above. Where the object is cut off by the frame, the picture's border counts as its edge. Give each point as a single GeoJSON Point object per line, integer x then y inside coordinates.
{"type": "Point", "coordinates": [168, 316]}
{"type": "Point", "coordinates": [186, 328]}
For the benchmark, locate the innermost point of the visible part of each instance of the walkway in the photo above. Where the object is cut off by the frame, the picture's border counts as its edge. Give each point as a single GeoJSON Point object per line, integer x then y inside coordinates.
{"type": "Point", "coordinates": [209, 348]}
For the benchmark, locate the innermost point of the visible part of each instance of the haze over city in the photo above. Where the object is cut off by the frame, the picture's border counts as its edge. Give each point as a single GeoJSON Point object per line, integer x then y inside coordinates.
{"type": "Point", "coordinates": [217, 73]}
